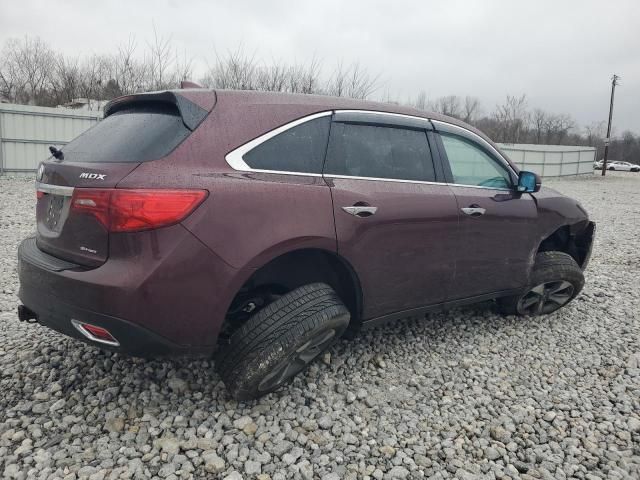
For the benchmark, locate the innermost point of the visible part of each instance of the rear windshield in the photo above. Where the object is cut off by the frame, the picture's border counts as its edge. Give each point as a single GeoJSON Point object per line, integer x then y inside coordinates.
{"type": "Point", "coordinates": [137, 134]}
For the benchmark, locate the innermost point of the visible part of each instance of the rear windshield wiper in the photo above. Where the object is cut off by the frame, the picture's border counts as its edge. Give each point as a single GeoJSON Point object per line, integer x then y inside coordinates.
{"type": "Point", "coordinates": [56, 153]}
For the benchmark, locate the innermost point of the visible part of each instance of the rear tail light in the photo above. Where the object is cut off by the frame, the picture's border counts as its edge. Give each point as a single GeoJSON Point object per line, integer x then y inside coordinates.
{"type": "Point", "coordinates": [127, 210]}
{"type": "Point", "coordinates": [95, 333]}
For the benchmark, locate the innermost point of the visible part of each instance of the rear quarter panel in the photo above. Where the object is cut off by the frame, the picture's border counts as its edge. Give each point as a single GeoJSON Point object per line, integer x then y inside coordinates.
{"type": "Point", "coordinates": [248, 218]}
{"type": "Point", "coordinates": [251, 218]}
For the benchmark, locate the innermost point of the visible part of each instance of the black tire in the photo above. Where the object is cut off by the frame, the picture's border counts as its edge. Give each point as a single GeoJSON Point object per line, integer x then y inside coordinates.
{"type": "Point", "coordinates": [561, 280]}
{"type": "Point", "coordinates": [251, 364]}
{"type": "Point", "coordinates": [611, 168]}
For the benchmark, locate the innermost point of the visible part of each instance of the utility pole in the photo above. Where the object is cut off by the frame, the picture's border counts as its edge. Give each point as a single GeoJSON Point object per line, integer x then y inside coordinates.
{"type": "Point", "coordinates": [614, 82]}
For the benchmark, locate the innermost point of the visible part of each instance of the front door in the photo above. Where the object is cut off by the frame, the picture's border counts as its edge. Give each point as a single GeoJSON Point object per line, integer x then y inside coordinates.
{"type": "Point", "coordinates": [497, 241]}
{"type": "Point", "coordinates": [394, 223]}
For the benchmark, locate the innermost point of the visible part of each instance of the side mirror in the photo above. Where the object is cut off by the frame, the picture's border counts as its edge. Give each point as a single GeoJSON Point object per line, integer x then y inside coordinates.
{"type": "Point", "coordinates": [528, 182]}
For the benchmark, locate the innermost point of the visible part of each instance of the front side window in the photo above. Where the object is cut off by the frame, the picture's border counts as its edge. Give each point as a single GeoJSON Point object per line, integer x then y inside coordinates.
{"type": "Point", "coordinates": [379, 152]}
{"type": "Point", "coordinates": [298, 149]}
{"type": "Point", "coordinates": [470, 165]}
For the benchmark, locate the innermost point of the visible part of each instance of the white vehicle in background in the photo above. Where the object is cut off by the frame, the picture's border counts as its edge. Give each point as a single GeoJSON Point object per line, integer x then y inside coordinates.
{"type": "Point", "coordinates": [622, 166]}
{"type": "Point", "coordinates": [598, 165]}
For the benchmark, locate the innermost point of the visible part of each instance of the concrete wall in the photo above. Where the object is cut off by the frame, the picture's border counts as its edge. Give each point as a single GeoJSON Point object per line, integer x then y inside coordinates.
{"type": "Point", "coordinates": [551, 160]}
{"type": "Point", "coordinates": [26, 133]}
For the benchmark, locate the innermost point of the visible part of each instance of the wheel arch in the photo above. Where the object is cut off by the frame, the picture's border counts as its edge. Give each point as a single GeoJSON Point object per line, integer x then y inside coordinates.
{"type": "Point", "coordinates": [574, 240]}
{"type": "Point", "coordinates": [302, 266]}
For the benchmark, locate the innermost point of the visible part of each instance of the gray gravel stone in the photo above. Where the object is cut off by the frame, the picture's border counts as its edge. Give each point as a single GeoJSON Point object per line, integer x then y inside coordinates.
{"type": "Point", "coordinates": [459, 394]}
{"type": "Point", "coordinates": [212, 462]}
{"type": "Point", "coordinates": [252, 468]}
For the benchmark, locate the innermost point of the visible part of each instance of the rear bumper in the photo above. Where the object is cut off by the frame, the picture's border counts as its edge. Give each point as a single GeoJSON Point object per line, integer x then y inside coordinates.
{"type": "Point", "coordinates": [160, 292]}
{"type": "Point", "coordinates": [132, 338]}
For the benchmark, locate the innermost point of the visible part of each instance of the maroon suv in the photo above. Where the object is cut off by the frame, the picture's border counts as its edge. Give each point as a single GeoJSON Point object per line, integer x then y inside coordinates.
{"type": "Point", "coordinates": [262, 226]}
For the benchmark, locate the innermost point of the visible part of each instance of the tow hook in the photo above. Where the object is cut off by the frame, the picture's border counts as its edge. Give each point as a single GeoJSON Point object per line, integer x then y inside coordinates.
{"type": "Point", "coordinates": [27, 315]}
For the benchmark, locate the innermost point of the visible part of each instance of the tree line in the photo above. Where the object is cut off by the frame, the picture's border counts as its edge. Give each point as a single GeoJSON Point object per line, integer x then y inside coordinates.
{"type": "Point", "coordinates": [33, 73]}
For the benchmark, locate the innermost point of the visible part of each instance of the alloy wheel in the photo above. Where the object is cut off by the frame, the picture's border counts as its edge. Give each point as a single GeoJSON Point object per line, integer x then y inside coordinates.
{"type": "Point", "coordinates": [297, 360]}
{"type": "Point", "coordinates": [545, 298]}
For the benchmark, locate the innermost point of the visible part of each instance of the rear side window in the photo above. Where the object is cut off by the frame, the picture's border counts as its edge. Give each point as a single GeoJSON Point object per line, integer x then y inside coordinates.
{"type": "Point", "coordinates": [137, 134]}
{"type": "Point", "coordinates": [298, 149]}
{"type": "Point", "coordinates": [379, 152]}
{"type": "Point", "coordinates": [470, 165]}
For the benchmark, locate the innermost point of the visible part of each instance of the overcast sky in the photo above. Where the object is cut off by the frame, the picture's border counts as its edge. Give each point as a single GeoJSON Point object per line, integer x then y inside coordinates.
{"type": "Point", "coordinates": [560, 53]}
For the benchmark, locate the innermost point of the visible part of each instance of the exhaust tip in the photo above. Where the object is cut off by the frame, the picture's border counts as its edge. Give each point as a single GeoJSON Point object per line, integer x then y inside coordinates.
{"type": "Point", "coordinates": [25, 314]}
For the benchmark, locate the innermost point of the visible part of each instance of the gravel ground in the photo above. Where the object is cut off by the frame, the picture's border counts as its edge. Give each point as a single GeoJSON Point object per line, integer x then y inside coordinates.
{"type": "Point", "coordinates": [463, 394]}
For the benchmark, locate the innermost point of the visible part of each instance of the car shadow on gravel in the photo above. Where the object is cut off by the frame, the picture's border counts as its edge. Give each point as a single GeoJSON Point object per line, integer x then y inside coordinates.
{"type": "Point", "coordinates": [107, 375]}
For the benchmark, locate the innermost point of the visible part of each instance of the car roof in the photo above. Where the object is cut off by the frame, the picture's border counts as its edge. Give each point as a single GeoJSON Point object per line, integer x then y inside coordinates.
{"type": "Point", "coordinates": [293, 105]}
{"type": "Point", "coordinates": [318, 103]}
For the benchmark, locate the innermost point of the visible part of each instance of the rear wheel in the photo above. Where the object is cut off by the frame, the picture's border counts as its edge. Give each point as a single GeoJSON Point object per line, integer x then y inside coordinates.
{"type": "Point", "coordinates": [556, 279]}
{"type": "Point", "coordinates": [611, 168]}
{"type": "Point", "coordinates": [281, 340]}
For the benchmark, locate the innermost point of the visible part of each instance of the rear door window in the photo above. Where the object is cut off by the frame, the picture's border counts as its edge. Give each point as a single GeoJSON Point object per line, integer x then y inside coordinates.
{"type": "Point", "coordinates": [298, 149]}
{"type": "Point", "coordinates": [374, 151]}
{"type": "Point", "coordinates": [137, 134]}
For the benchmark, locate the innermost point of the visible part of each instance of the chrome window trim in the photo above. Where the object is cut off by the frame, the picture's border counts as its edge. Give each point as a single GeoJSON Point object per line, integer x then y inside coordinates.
{"type": "Point", "coordinates": [480, 186]}
{"type": "Point", "coordinates": [378, 179]}
{"type": "Point", "coordinates": [422, 182]}
{"type": "Point", "coordinates": [54, 189]}
{"type": "Point", "coordinates": [234, 157]}
{"type": "Point", "coordinates": [426, 120]}
{"type": "Point", "coordinates": [481, 140]}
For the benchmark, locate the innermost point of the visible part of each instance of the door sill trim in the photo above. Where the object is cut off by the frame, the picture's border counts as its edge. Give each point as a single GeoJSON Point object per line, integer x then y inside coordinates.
{"type": "Point", "coordinates": [390, 317]}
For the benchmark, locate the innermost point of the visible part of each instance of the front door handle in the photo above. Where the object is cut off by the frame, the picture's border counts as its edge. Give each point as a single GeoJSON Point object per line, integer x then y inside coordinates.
{"type": "Point", "coordinates": [474, 210]}
{"type": "Point", "coordinates": [361, 212]}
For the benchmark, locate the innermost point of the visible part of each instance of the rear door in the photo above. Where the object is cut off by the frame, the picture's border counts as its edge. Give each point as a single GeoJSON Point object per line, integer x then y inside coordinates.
{"type": "Point", "coordinates": [497, 224]}
{"type": "Point", "coordinates": [394, 223]}
{"type": "Point", "coordinates": [99, 158]}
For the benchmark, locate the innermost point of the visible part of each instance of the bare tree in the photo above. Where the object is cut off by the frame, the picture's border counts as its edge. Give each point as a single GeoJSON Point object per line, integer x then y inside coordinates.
{"type": "Point", "coordinates": [128, 72]}
{"type": "Point", "coordinates": [27, 69]}
{"type": "Point", "coordinates": [66, 80]}
{"type": "Point", "coordinates": [448, 105]}
{"type": "Point", "coordinates": [12, 82]}
{"type": "Point", "coordinates": [557, 128]}
{"type": "Point", "coordinates": [471, 109]}
{"type": "Point", "coordinates": [30, 72]}
{"type": "Point", "coordinates": [234, 70]}
{"type": "Point", "coordinates": [512, 119]}
{"type": "Point", "coordinates": [421, 102]}
{"type": "Point", "coordinates": [183, 69]}
{"type": "Point", "coordinates": [337, 84]}
{"type": "Point", "coordinates": [272, 77]}
{"type": "Point", "coordinates": [595, 133]}
{"type": "Point", "coordinates": [310, 81]}
{"type": "Point", "coordinates": [538, 125]}
{"type": "Point", "coordinates": [160, 62]}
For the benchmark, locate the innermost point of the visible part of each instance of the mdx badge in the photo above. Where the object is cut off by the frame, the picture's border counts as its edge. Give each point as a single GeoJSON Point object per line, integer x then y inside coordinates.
{"type": "Point", "coordinates": [93, 176]}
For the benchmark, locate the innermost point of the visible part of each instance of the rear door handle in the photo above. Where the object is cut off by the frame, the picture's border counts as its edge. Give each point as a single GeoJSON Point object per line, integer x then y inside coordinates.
{"type": "Point", "coordinates": [474, 210]}
{"type": "Point", "coordinates": [361, 211]}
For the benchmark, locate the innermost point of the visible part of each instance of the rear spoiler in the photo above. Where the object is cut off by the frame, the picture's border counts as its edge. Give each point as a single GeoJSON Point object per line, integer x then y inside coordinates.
{"type": "Point", "coordinates": [192, 115]}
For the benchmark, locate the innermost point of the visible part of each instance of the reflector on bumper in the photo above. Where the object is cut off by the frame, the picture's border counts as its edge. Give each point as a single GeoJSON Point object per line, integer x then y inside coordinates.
{"type": "Point", "coordinates": [95, 333]}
